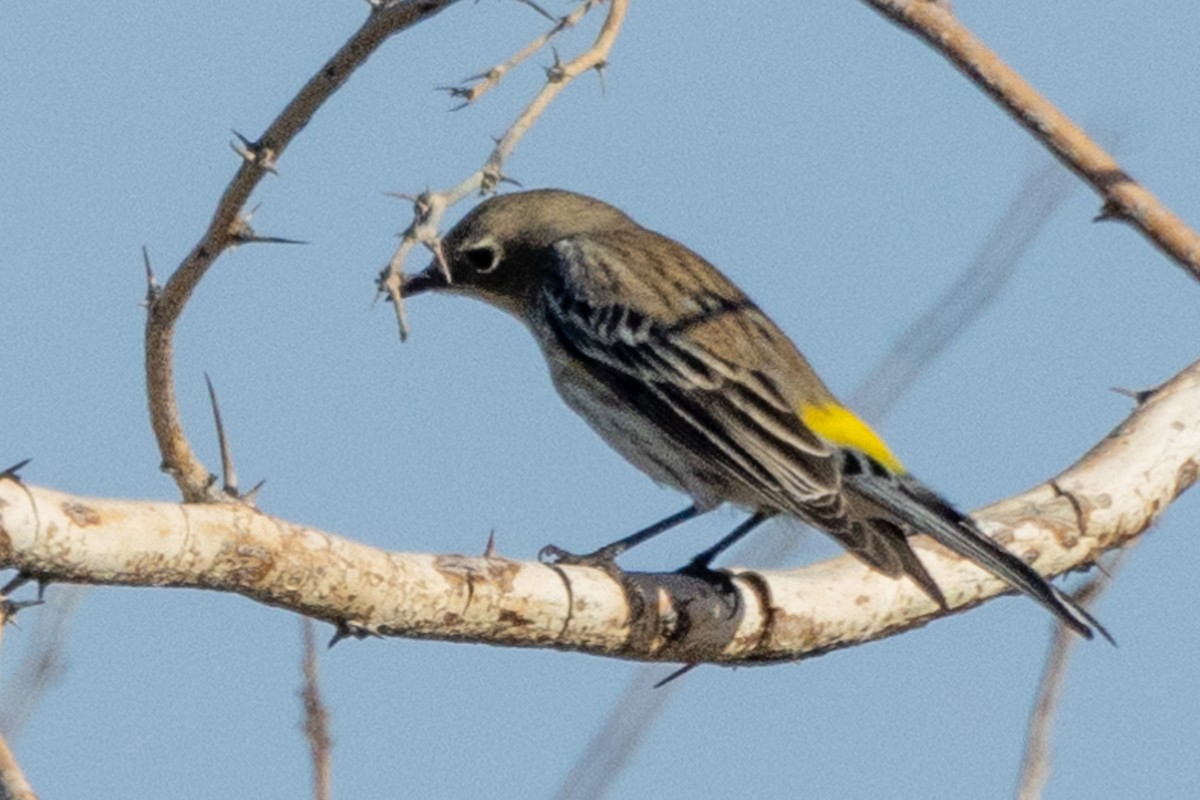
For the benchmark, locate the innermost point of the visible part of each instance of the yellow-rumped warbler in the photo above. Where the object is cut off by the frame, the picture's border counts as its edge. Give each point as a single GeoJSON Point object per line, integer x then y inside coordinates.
{"type": "Point", "coordinates": [687, 379]}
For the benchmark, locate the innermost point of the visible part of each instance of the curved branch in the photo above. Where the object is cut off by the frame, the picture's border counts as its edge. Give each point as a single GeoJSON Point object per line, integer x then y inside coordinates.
{"type": "Point", "coordinates": [230, 226]}
{"type": "Point", "coordinates": [1111, 496]}
{"type": "Point", "coordinates": [1124, 198]}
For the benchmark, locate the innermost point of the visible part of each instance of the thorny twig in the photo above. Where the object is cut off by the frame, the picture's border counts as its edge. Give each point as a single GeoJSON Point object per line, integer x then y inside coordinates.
{"type": "Point", "coordinates": [485, 81]}
{"type": "Point", "coordinates": [429, 207]}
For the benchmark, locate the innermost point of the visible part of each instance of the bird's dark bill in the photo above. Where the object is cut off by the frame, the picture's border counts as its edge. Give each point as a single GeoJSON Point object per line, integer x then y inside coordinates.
{"type": "Point", "coordinates": [427, 279]}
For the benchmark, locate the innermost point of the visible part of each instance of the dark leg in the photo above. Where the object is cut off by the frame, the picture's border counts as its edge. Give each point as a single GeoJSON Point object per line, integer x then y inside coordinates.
{"type": "Point", "coordinates": [702, 562]}
{"type": "Point", "coordinates": [610, 552]}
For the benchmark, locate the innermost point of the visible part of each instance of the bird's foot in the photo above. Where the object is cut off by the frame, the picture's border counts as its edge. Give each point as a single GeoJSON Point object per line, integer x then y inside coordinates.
{"type": "Point", "coordinates": [604, 559]}
{"type": "Point", "coordinates": [700, 568]}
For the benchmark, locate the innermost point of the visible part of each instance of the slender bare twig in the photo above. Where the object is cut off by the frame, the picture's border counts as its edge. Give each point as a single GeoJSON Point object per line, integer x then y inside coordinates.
{"type": "Point", "coordinates": [613, 745]}
{"type": "Point", "coordinates": [485, 81]}
{"type": "Point", "coordinates": [964, 301]}
{"type": "Point", "coordinates": [1124, 198]}
{"type": "Point", "coordinates": [228, 228]}
{"type": "Point", "coordinates": [1037, 198]}
{"type": "Point", "coordinates": [430, 207]}
{"type": "Point", "coordinates": [13, 784]}
{"type": "Point", "coordinates": [316, 719]}
{"type": "Point", "coordinates": [41, 666]}
{"type": "Point", "coordinates": [558, 77]}
{"type": "Point", "coordinates": [1035, 763]}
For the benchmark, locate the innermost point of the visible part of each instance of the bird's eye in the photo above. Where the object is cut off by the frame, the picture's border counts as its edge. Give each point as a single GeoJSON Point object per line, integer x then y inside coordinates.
{"type": "Point", "coordinates": [482, 259]}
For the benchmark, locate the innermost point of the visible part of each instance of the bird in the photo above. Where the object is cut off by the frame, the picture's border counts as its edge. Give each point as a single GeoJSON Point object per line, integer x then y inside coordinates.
{"type": "Point", "coordinates": [692, 383]}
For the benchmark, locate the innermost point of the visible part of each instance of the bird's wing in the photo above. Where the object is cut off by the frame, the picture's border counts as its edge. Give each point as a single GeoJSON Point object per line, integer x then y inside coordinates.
{"type": "Point", "coordinates": [728, 406]}
{"type": "Point", "coordinates": [663, 362]}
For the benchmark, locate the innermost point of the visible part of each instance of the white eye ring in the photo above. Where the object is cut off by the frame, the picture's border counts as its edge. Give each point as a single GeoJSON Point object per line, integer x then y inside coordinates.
{"type": "Point", "coordinates": [484, 257]}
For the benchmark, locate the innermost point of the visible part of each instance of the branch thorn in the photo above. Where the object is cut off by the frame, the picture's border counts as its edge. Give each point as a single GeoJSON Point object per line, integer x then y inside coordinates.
{"type": "Point", "coordinates": [229, 479]}
{"type": "Point", "coordinates": [11, 474]}
{"type": "Point", "coordinates": [254, 153]}
{"type": "Point", "coordinates": [1139, 396]}
{"type": "Point", "coordinates": [489, 550]}
{"type": "Point", "coordinates": [540, 10]}
{"type": "Point", "coordinates": [153, 287]}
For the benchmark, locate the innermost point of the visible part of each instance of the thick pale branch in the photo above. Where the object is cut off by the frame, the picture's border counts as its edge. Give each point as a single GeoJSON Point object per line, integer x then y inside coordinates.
{"type": "Point", "coordinates": [229, 227]}
{"type": "Point", "coordinates": [1124, 198]}
{"type": "Point", "coordinates": [1112, 495]}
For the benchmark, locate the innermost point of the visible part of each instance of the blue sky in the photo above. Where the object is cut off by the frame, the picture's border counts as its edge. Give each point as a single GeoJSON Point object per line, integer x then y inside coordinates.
{"type": "Point", "coordinates": [836, 168]}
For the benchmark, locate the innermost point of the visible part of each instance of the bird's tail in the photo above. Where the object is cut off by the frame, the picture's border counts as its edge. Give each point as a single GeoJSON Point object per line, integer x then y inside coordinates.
{"type": "Point", "coordinates": [916, 508]}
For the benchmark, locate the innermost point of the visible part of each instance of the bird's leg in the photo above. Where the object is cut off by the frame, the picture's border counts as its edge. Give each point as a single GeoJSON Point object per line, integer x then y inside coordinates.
{"type": "Point", "coordinates": [701, 565]}
{"type": "Point", "coordinates": [607, 555]}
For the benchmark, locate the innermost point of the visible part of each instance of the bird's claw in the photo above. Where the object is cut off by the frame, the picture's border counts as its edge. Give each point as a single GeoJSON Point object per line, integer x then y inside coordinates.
{"type": "Point", "coordinates": [604, 559]}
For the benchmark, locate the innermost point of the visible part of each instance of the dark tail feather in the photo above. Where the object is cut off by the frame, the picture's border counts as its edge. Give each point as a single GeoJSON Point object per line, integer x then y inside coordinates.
{"type": "Point", "coordinates": [923, 510]}
{"type": "Point", "coordinates": [1082, 612]}
{"type": "Point", "coordinates": [883, 545]}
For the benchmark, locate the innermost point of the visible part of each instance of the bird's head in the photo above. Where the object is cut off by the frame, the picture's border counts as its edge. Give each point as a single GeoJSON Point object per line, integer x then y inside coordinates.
{"type": "Point", "coordinates": [499, 252]}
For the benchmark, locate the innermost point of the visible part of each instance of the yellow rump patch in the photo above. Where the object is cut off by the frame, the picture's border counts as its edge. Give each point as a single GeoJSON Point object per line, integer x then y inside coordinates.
{"type": "Point", "coordinates": [841, 426]}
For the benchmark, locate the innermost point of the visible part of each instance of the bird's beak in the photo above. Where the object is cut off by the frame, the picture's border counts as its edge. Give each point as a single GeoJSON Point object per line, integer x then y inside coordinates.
{"type": "Point", "coordinates": [428, 279]}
